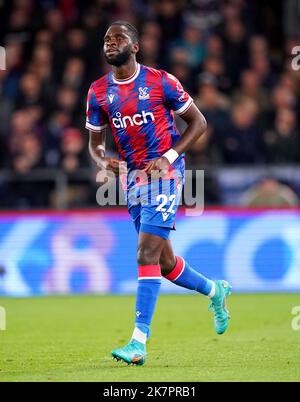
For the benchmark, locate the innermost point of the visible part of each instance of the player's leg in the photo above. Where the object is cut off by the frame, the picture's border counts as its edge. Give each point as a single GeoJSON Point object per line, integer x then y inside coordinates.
{"type": "Point", "coordinates": [177, 270]}
{"type": "Point", "coordinates": [150, 246]}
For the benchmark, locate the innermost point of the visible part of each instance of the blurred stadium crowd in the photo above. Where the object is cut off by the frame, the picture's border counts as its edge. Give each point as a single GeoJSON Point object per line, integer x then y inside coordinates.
{"type": "Point", "coordinates": [233, 56]}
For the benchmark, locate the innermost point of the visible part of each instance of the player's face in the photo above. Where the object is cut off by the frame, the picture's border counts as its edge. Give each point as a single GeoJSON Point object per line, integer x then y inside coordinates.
{"type": "Point", "coordinates": [118, 46]}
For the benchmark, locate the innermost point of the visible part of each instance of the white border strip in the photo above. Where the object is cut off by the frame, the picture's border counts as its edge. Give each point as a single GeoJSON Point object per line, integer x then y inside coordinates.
{"type": "Point", "coordinates": [150, 277]}
{"type": "Point", "coordinates": [97, 129]}
{"type": "Point", "coordinates": [130, 79]}
{"type": "Point", "coordinates": [185, 107]}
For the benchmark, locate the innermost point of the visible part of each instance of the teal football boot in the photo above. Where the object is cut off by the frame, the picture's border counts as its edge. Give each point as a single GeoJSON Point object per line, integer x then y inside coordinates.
{"type": "Point", "coordinates": [133, 353]}
{"type": "Point", "coordinates": [219, 305]}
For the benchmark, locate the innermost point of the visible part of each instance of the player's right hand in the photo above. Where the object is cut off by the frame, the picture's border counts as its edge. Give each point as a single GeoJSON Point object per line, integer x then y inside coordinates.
{"type": "Point", "coordinates": [113, 165]}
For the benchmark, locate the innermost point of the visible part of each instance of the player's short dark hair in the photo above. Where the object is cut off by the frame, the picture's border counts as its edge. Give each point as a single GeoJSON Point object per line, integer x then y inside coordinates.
{"type": "Point", "coordinates": [133, 32]}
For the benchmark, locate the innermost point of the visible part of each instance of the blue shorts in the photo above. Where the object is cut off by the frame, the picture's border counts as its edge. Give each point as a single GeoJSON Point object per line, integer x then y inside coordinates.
{"type": "Point", "coordinates": [153, 206]}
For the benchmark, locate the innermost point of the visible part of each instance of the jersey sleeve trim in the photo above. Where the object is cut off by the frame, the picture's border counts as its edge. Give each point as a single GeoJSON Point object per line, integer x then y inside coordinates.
{"type": "Point", "coordinates": [97, 129]}
{"type": "Point", "coordinates": [185, 107]}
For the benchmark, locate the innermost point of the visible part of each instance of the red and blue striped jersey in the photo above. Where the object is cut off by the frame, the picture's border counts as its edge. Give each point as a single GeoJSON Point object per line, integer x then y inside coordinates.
{"type": "Point", "coordinates": [140, 111]}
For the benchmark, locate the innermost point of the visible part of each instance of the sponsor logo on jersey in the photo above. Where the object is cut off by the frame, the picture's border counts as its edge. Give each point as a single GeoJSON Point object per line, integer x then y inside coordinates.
{"type": "Point", "coordinates": [136, 120]}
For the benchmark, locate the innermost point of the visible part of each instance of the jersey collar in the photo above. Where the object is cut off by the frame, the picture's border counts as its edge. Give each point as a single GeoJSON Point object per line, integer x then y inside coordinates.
{"type": "Point", "coordinates": [130, 79]}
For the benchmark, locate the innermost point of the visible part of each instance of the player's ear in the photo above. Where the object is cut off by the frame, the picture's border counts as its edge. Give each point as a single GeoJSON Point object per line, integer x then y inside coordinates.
{"type": "Point", "coordinates": [135, 48]}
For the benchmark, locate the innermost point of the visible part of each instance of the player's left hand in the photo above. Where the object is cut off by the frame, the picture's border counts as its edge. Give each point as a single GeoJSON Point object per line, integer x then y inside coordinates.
{"type": "Point", "coordinates": [157, 167]}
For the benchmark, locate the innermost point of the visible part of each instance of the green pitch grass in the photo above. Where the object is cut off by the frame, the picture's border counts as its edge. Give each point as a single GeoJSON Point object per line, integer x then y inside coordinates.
{"type": "Point", "coordinates": [70, 339]}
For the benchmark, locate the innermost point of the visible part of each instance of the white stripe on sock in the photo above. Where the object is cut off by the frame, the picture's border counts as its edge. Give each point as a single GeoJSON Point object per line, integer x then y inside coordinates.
{"type": "Point", "coordinates": [139, 336]}
{"type": "Point", "coordinates": [149, 277]}
{"type": "Point", "coordinates": [213, 291]}
{"type": "Point", "coordinates": [181, 272]}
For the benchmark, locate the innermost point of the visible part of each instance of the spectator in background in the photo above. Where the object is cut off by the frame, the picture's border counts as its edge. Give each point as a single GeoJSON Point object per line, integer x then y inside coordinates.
{"type": "Point", "coordinates": [215, 106]}
{"type": "Point", "coordinates": [42, 59]}
{"type": "Point", "coordinates": [282, 143]}
{"type": "Point", "coordinates": [153, 29]}
{"type": "Point", "coordinates": [258, 46]}
{"type": "Point", "coordinates": [73, 151]}
{"type": "Point", "coordinates": [58, 122]}
{"type": "Point", "coordinates": [20, 23]}
{"type": "Point", "coordinates": [29, 155]}
{"type": "Point", "coordinates": [215, 66]}
{"type": "Point", "coordinates": [281, 98]}
{"type": "Point", "coordinates": [67, 100]}
{"type": "Point", "coordinates": [205, 14]}
{"type": "Point", "coordinates": [44, 37]}
{"type": "Point", "coordinates": [76, 44]}
{"type": "Point", "coordinates": [149, 50]}
{"type": "Point", "coordinates": [73, 158]}
{"type": "Point", "coordinates": [74, 76]}
{"type": "Point", "coordinates": [54, 22]}
{"type": "Point", "coordinates": [214, 47]}
{"type": "Point", "coordinates": [182, 72]}
{"type": "Point", "coordinates": [30, 91]}
{"type": "Point", "coordinates": [261, 65]}
{"type": "Point", "coordinates": [250, 88]}
{"type": "Point", "coordinates": [235, 50]}
{"type": "Point", "coordinates": [22, 124]}
{"type": "Point", "coordinates": [179, 55]}
{"type": "Point", "coordinates": [290, 81]}
{"type": "Point", "coordinates": [240, 142]}
{"type": "Point", "coordinates": [193, 44]}
{"type": "Point", "coordinates": [169, 18]}
{"type": "Point", "coordinates": [270, 193]}
{"type": "Point", "coordinates": [202, 153]}
{"type": "Point", "coordinates": [122, 10]}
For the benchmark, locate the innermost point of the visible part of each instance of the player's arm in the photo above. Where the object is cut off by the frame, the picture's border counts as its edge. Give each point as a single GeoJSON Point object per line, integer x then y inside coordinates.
{"type": "Point", "coordinates": [196, 126]}
{"type": "Point", "coordinates": [97, 146]}
{"type": "Point", "coordinates": [96, 123]}
{"type": "Point", "coordinates": [97, 152]}
{"type": "Point", "coordinates": [178, 100]}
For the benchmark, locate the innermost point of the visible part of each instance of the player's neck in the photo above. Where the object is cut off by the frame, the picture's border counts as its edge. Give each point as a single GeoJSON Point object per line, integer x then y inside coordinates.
{"type": "Point", "coordinates": [126, 71]}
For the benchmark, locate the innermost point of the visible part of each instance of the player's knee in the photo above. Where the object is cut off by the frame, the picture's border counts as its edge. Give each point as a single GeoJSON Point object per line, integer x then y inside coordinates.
{"type": "Point", "coordinates": [167, 265]}
{"type": "Point", "coordinates": [147, 256]}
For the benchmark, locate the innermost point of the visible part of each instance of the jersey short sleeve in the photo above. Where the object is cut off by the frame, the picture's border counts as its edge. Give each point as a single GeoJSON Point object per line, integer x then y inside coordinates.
{"type": "Point", "coordinates": [96, 118]}
{"type": "Point", "coordinates": [176, 97]}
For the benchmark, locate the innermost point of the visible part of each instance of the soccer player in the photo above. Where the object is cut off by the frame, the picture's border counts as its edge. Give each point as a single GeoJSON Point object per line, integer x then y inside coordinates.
{"type": "Point", "coordinates": [138, 103]}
